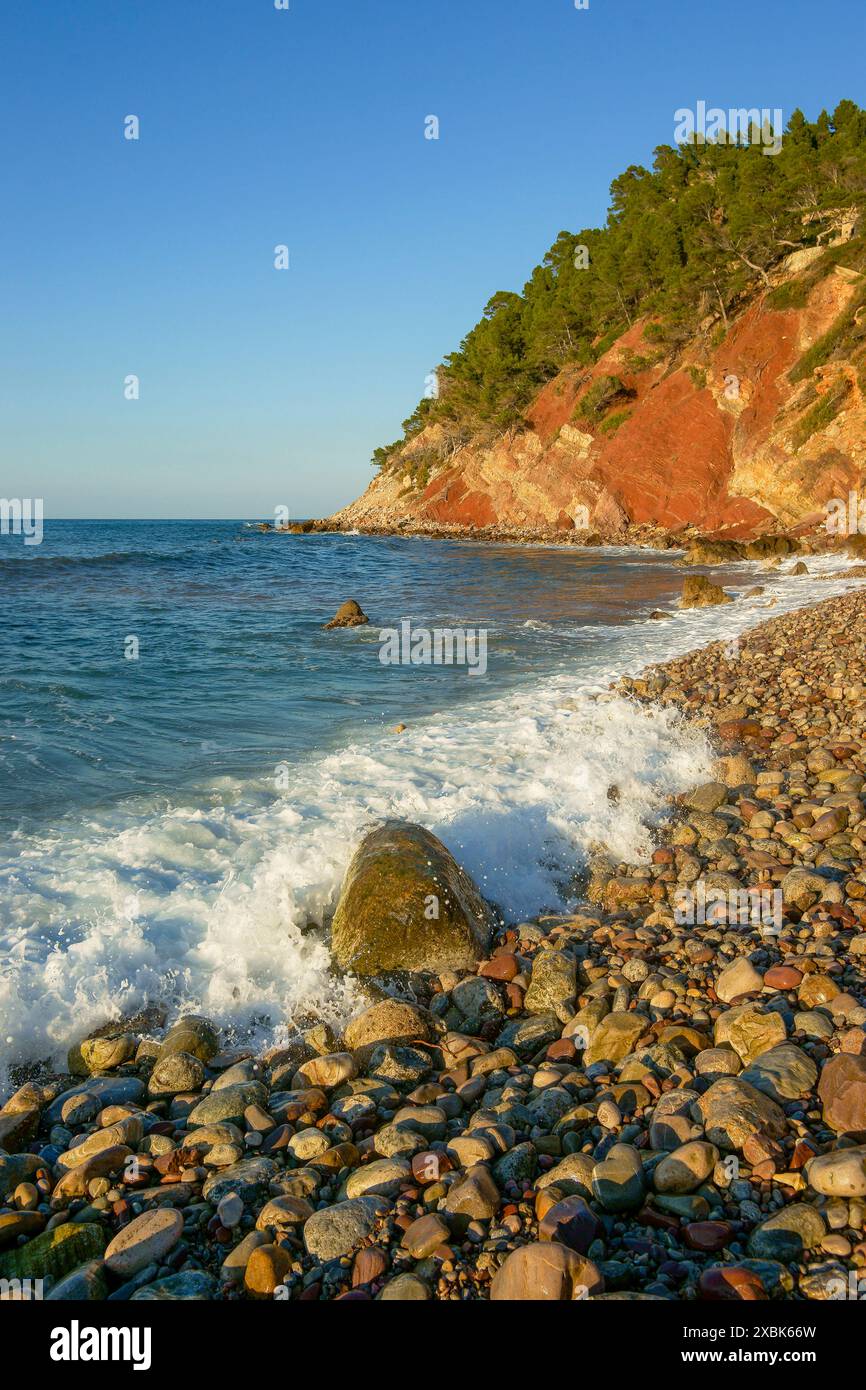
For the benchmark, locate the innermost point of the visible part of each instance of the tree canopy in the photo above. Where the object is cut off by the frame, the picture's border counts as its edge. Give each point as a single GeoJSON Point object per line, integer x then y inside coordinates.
{"type": "Point", "coordinates": [682, 241]}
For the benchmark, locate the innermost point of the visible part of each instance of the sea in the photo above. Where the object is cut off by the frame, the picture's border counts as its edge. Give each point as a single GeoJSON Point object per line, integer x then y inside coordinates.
{"type": "Point", "coordinates": [188, 758]}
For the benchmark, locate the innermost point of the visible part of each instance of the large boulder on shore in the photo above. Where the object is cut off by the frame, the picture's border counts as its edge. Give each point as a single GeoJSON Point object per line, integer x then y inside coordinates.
{"type": "Point", "coordinates": [406, 904]}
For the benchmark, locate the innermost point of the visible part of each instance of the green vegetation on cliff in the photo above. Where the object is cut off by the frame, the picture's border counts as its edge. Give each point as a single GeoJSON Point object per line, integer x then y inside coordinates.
{"type": "Point", "coordinates": [683, 242]}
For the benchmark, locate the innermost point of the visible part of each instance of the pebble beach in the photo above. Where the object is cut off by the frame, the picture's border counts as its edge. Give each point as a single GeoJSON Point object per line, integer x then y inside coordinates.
{"type": "Point", "coordinates": [660, 1095]}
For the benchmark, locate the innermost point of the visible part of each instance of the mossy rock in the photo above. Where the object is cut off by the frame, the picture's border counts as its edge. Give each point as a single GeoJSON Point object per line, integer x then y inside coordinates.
{"type": "Point", "coordinates": [55, 1253]}
{"type": "Point", "coordinates": [191, 1034]}
{"type": "Point", "coordinates": [406, 904]}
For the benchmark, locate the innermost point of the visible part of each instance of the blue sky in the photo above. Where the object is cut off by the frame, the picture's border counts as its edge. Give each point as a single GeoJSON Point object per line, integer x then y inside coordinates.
{"type": "Point", "coordinates": [262, 388]}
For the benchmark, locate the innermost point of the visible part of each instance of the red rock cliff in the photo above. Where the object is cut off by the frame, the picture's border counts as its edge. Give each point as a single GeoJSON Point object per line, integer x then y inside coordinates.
{"type": "Point", "coordinates": [716, 436]}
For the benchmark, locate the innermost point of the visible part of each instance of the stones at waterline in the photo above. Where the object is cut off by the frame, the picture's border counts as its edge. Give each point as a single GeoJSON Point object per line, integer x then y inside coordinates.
{"type": "Point", "coordinates": [783, 1073]}
{"type": "Point", "coordinates": [230, 1211]}
{"type": "Point", "coordinates": [235, 1263]}
{"type": "Point", "coordinates": [551, 1104]}
{"type": "Point", "coordinates": [782, 977]}
{"type": "Point", "coordinates": [731, 1283]}
{"type": "Point", "coordinates": [552, 985]}
{"type": "Point", "coordinates": [283, 1214]}
{"type": "Point", "coordinates": [545, 1271]}
{"type": "Point", "coordinates": [192, 1286]}
{"type": "Point", "coordinates": [405, 1288]}
{"type": "Point", "coordinates": [829, 1281]}
{"type": "Point", "coordinates": [504, 1101]}
{"type": "Point", "coordinates": [817, 989]}
{"type": "Point", "coordinates": [192, 1034]}
{"type": "Point", "coordinates": [391, 1021]}
{"type": "Point", "coordinates": [404, 1066]}
{"type": "Point", "coordinates": [474, 1197]}
{"type": "Point", "coordinates": [801, 888]}
{"type": "Point", "coordinates": [832, 822]}
{"type": "Point", "coordinates": [106, 1090]}
{"type": "Point", "coordinates": [392, 1141]}
{"type": "Point", "coordinates": [54, 1253]}
{"type": "Point", "coordinates": [675, 1120]}
{"type": "Point", "coordinates": [715, 1062]}
{"type": "Point", "coordinates": [406, 904]}
{"type": "Point", "coordinates": [468, 1149]}
{"type": "Point", "coordinates": [428, 1120]}
{"type": "Point", "coordinates": [293, 1107]}
{"type": "Point", "coordinates": [476, 1001]}
{"type": "Point", "coordinates": [814, 1024]}
{"type": "Point", "coordinates": [736, 770]}
{"type": "Point", "coordinates": [738, 977]}
{"type": "Point", "coordinates": [307, 1144]}
{"type": "Point", "coordinates": [614, 1037]}
{"type": "Point", "coordinates": [75, 1182]}
{"type": "Point", "coordinates": [349, 614]}
{"type": "Point", "coordinates": [128, 1131]}
{"type": "Point", "coordinates": [250, 1180]}
{"type": "Point", "coordinates": [175, 1073]}
{"type": "Point", "coordinates": [18, 1128]}
{"type": "Point", "coordinates": [227, 1104]}
{"type": "Point", "coordinates": [384, 1177]}
{"type": "Point", "coordinates": [840, 1173]}
{"type": "Point", "coordinates": [338, 1230]}
{"type": "Point", "coordinates": [733, 1110]}
{"type": "Point", "coordinates": [15, 1224]}
{"type": "Point", "coordinates": [266, 1270]}
{"type": "Point", "coordinates": [618, 1182]}
{"type": "Point", "coordinates": [572, 1175]}
{"type": "Point", "coordinates": [750, 1030]}
{"type": "Point", "coordinates": [571, 1222]}
{"type": "Point", "coordinates": [519, 1165]}
{"type": "Point", "coordinates": [86, 1284]}
{"type": "Point", "coordinates": [210, 1137]}
{"type": "Point", "coordinates": [425, 1235]}
{"type": "Point", "coordinates": [526, 1036]}
{"type": "Point", "coordinates": [842, 1092]}
{"type": "Point", "coordinates": [708, 797]}
{"type": "Point", "coordinates": [685, 1168]}
{"type": "Point", "coordinates": [788, 1234]}
{"type": "Point", "coordinates": [104, 1054]}
{"type": "Point", "coordinates": [146, 1240]}
{"type": "Point", "coordinates": [326, 1072]}
{"type": "Point", "coordinates": [699, 592]}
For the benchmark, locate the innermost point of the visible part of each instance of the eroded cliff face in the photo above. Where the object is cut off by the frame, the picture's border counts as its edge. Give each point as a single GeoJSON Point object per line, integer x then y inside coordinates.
{"type": "Point", "coordinates": [716, 436]}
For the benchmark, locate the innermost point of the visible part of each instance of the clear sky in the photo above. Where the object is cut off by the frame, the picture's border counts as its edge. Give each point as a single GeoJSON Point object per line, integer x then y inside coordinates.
{"type": "Point", "coordinates": [305, 127]}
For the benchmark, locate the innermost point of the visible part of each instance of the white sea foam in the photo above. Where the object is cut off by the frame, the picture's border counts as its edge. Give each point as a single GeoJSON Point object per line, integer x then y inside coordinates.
{"type": "Point", "coordinates": [219, 905]}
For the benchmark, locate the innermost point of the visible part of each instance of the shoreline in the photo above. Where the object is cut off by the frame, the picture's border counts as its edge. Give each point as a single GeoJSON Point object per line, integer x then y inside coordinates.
{"type": "Point", "coordinates": [529, 1120]}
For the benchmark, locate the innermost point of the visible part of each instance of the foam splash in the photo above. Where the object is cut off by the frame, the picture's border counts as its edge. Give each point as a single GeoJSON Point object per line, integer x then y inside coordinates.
{"type": "Point", "coordinates": [220, 905]}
